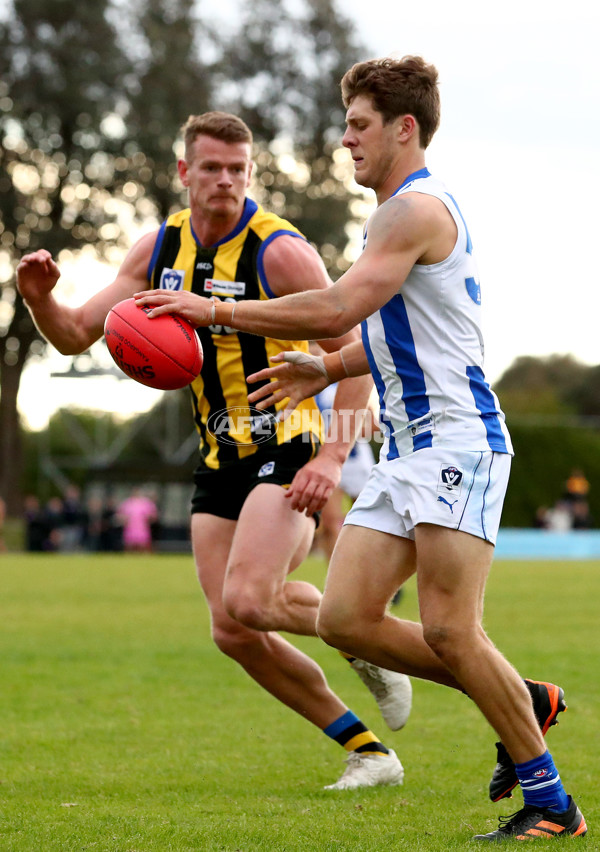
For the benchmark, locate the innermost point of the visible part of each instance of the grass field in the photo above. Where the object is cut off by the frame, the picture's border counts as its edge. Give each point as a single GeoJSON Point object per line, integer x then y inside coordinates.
{"type": "Point", "coordinates": [124, 729]}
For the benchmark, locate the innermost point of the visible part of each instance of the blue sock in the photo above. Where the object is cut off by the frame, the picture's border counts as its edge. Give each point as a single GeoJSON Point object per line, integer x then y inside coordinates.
{"type": "Point", "coordinates": [541, 784]}
{"type": "Point", "coordinates": [350, 733]}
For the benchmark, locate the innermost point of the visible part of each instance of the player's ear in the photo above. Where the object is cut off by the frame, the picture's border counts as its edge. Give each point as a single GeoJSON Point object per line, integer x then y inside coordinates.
{"type": "Point", "coordinates": [182, 169]}
{"type": "Point", "coordinates": [406, 126]}
{"type": "Point", "coordinates": [250, 170]}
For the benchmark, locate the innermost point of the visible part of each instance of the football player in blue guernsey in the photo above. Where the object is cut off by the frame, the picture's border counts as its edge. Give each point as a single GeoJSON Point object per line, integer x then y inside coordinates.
{"type": "Point", "coordinates": [256, 490]}
{"type": "Point", "coordinates": [432, 504]}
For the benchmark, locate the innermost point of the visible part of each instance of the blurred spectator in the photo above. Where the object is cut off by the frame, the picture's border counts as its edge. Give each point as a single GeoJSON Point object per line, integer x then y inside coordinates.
{"type": "Point", "coordinates": [92, 534]}
{"type": "Point", "coordinates": [572, 511]}
{"type": "Point", "coordinates": [35, 525]}
{"type": "Point", "coordinates": [73, 520]}
{"type": "Point", "coordinates": [137, 513]}
{"type": "Point", "coordinates": [581, 517]}
{"type": "Point", "coordinates": [102, 532]}
{"type": "Point", "coordinates": [111, 536]}
{"type": "Point", "coordinates": [559, 517]}
{"type": "Point", "coordinates": [53, 519]}
{"type": "Point", "coordinates": [576, 487]}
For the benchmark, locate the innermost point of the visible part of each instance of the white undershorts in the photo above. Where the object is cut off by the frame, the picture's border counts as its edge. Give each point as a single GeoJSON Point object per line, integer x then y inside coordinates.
{"type": "Point", "coordinates": [460, 490]}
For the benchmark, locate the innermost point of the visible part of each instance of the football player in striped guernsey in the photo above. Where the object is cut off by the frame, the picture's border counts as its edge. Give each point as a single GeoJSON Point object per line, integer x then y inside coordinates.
{"type": "Point", "coordinates": [254, 472]}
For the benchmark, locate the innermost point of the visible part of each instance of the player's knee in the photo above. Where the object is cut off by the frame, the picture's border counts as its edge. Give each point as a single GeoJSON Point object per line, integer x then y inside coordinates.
{"type": "Point", "coordinates": [235, 643]}
{"type": "Point", "coordinates": [249, 611]}
{"type": "Point", "coordinates": [449, 642]}
{"type": "Point", "coordinates": [333, 629]}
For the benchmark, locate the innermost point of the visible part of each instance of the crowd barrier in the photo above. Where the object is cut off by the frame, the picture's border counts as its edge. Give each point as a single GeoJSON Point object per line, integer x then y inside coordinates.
{"type": "Point", "coordinates": [545, 544]}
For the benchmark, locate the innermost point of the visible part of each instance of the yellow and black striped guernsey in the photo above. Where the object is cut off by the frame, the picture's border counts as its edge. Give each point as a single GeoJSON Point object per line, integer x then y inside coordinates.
{"type": "Point", "coordinates": [232, 270]}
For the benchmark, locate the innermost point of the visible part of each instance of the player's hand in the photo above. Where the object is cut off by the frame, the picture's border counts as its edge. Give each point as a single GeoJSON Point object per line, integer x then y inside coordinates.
{"type": "Point", "coordinates": [312, 485]}
{"type": "Point", "coordinates": [37, 275]}
{"type": "Point", "coordinates": [196, 309]}
{"type": "Point", "coordinates": [299, 376]}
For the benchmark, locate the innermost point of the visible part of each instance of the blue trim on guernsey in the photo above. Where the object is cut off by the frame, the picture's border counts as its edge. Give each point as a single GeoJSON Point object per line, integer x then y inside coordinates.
{"type": "Point", "coordinates": [421, 173]}
{"type": "Point", "coordinates": [342, 724]}
{"type": "Point", "coordinates": [380, 386]}
{"type": "Point", "coordinates": [156, 249]}
{"type": "Point", "coordinates": [469, 248]}
{"type": "Point", "coordinates": [260, 266]}
{"type": "Point", "coordinates": [401, 344]}
{"type": "Point", "coordinates": [484, 400]}
{"type": "Point", "coordinates": [250, 208]}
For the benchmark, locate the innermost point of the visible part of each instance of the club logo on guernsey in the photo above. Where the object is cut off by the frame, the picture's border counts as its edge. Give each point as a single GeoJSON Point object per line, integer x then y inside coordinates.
{"type": "Point", "coordinates": [172, 279]}
{"type": "Point", "coordinates": [450, 479]}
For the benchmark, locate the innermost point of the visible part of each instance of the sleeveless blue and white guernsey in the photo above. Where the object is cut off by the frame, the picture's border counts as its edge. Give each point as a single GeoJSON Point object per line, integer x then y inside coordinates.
{"type": "Point", "coordinates": [425, 351]}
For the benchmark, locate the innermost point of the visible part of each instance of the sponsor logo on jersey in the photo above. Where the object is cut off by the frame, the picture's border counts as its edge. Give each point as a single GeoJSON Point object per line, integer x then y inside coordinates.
{"type": "Point", "coordinates": [450, 479]}
{"type": "Point", "coordinates": [203, 265]}
{"type": "Point", "coordinates": [422, 426]}
{"type": "Point", "coordinates": [224, 288]}
{"type": "Point", "coordinates": [241, 424]}
{"type": "Point", "coordinates": [172, 279]}
{"type": "Point", "coordinates": [267, 469]}
{"type": "Point", "coordinates": [447, 502]}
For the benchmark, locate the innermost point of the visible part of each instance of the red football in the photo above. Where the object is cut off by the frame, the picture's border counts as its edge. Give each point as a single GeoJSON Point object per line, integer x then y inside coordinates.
{"type": "Point", "coordinates": [163, 353]}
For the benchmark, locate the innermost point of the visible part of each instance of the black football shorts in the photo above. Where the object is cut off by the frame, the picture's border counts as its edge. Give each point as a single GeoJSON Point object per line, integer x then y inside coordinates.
{"type": "Point", "coordinates": [222, 492]}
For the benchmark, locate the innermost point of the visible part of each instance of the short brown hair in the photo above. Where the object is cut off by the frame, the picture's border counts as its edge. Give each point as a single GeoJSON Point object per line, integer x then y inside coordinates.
{"type": "Point", "coordinates": [398, 87]}
{"type": "Point", "coordinates": [218, 125]}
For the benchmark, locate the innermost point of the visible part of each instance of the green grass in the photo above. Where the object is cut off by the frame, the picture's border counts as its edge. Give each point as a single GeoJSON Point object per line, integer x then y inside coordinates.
{"type": "Point", "coordinates": [124, 729]}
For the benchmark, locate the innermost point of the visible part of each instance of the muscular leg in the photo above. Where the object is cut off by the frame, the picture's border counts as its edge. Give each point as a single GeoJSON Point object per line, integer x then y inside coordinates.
{"type": "Point", "coordinates": [451, 646]}
{"type": "Point", "coordinates": [451, 594]}
{"type": "Point", "coordinates": [289, 675]}
{"type": "Point", "coordinates": [366, 569]}
{"type": "Point", "coordinates": [270, 540]}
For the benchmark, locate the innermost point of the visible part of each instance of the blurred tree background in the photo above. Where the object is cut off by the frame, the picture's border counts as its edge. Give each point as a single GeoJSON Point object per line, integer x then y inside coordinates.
{"type": "Point", "coordinates": [552, 409]}
{"type": "Point", "coordinates": [92, 96]}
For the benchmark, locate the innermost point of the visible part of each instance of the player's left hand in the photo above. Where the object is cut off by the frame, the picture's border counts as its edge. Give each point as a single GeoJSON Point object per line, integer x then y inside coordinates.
{"type": "Point", "coordinates": [196, 309]}
{"type": "Point", "coordinates": [313, 484]}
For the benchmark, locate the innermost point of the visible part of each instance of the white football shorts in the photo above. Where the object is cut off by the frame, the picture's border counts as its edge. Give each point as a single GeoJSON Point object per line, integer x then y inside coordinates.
{"type": "Point", "coordinates": [451, 488]}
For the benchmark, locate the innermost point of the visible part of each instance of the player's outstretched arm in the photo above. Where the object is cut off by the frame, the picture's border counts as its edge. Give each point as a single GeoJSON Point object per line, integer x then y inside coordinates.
{"type": "Point", "coordinates": [73, 330]}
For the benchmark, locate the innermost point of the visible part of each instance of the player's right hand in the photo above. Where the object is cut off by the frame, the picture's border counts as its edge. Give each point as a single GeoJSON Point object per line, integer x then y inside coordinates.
{"type": "Point", "coordinates": [299, 376]}
{"type": "Point", "coordinates": [37, 275]}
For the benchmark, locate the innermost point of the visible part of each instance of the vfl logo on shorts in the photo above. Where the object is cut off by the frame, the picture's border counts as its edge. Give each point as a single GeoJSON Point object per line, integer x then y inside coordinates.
{"type": "Point", "coordinates": [267, 469]}
{"type": "Point", "coordinates": [450, 479]}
